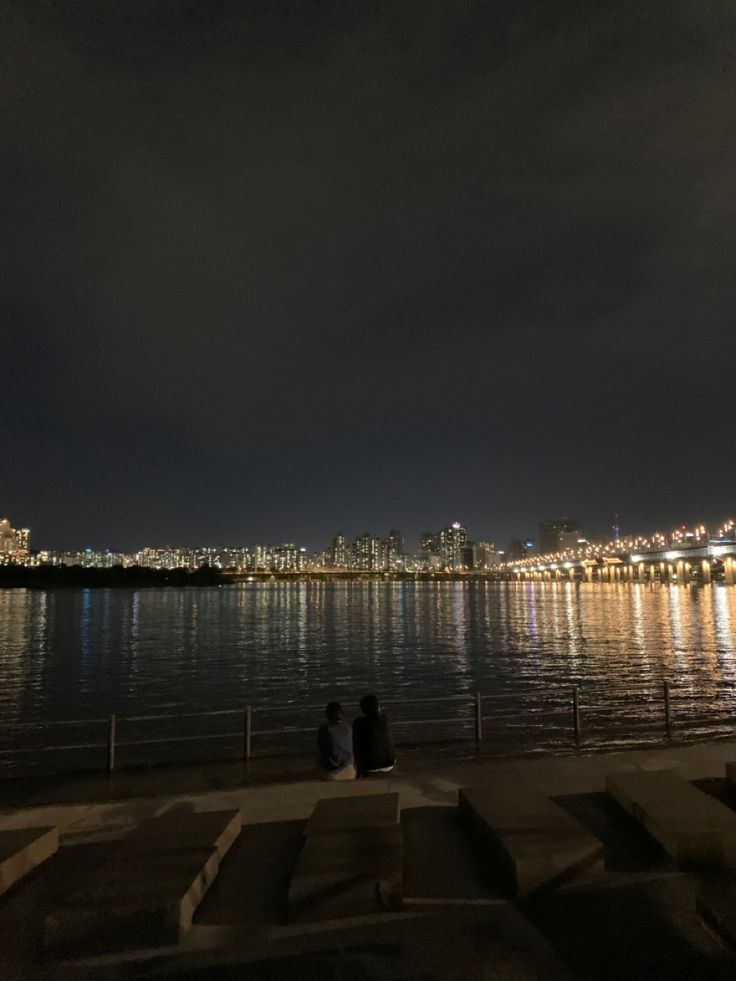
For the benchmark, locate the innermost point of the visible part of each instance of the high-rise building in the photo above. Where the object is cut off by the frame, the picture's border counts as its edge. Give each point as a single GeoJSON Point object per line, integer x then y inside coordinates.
{"type": "Point", "coordinates": [7, 538]}
{"type": "Point", "coordinates": [452, 541]}
{"type": "Point", "coordinates": [337, 552]}
{"type": "Point", "coordinates": [284, 558]}
{"type": "Point", "coordinates": [556, 534]}
{"type": "Point", "coordinates": [22, 540]}
{"type": "Point", "coordinates": [428, 556]}
{"type": "Point", "coordinates": [14, 542]}
{"type": "Point", "coordinates": [368, 552]}
{"type": "Point", "coordinates": [429, 542]}
{"type": "Point", "coordinates": [260, 558]}
{"type": "Point", "coordinates": [394, 548]}
{"type": "Point", "coordinates": [485, 555]}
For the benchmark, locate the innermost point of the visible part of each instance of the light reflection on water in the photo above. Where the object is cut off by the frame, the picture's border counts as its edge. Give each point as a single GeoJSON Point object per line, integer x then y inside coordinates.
{"type": "Point", "coordinates": [67, 653]}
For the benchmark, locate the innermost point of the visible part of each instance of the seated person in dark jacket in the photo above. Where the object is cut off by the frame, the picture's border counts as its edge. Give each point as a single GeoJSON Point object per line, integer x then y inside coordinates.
{"type": "Point", "coordinates": [373, 746]}
{"type": "Point", "coordinates": [335, 744]}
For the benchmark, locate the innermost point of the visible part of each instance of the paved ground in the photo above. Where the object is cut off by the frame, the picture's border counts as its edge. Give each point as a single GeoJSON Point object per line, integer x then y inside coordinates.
{"type": "Point", "coordinates": [93, 808]}
{"type": "Point", "coordinates": [643, 924]}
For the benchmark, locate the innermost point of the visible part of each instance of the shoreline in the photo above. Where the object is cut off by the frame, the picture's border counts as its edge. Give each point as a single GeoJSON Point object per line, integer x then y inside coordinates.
{"type": "Point", "coordinates": [79, 577]}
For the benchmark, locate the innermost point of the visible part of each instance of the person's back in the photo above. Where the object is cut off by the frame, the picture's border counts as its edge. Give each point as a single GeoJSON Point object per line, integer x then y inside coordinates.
{"type": "Point", "coordinates": [373, 744]}
{"type": "Point", "coordinates": [335, 744]}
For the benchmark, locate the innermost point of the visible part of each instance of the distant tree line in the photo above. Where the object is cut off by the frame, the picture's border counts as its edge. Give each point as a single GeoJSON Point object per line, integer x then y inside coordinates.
{"type": "Point", "coordinates": [76, 576]}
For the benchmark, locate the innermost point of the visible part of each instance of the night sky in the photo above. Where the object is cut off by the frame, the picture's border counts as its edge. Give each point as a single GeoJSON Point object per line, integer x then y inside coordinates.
{"type": "Point", "coordinates": [275, 269]}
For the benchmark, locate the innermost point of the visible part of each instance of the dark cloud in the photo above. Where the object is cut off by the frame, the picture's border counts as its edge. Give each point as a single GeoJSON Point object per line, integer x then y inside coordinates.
{"type": "Point", "coordinates": [278, 268]}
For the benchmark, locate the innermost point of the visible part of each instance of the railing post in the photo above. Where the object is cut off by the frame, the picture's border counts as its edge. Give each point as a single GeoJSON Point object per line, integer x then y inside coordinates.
{"type": "Point", "coordinates": [667, 710]}
{"type": "Point", "coordinates": [248, 731]}
{"type": "Point", "coordinates": [576, 713]}
{"type": "Point", "coordinates": [478, 717]}
{"type": "Point", "coordinates": [111, 743]}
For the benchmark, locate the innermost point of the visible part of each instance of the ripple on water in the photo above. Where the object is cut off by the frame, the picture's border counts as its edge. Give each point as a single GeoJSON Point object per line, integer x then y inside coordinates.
{"type": "Point", "coordinates": [85, 653]}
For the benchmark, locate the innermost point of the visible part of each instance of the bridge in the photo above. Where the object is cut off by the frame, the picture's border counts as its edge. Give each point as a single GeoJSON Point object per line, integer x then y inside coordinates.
{"type": "Point", "coordinates": [698, 562]}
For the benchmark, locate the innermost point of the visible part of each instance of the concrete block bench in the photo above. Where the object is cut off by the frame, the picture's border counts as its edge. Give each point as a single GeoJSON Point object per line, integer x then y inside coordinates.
{"type": "Point", "coordinates": [22, 850]}
{"type": "Point", "coordinates": [693, 828]}
{"type": "Point", "coordinates": [148, 892]}
{"type": "Point", "coordinates": [532, 840]}
{"type": "Point", "coordinates": [352, 861]}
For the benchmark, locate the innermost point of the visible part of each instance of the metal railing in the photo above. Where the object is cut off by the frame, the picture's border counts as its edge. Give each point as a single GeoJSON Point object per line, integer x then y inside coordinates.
{"type": "Point", "coordinates": [556, 718]}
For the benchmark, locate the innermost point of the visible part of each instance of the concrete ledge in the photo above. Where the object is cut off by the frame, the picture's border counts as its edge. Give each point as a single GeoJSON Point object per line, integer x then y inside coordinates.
{"type": "Point", "coordinates": [534, 842]}
{"type": "Point", "coordinates": [693, 828]}
{"type": "Point", "coordinates": [147, 894]}
{"type": "Point", "coordinates": [731, 772]}
{"type": "Point", "coordinates": [353, 814]}
{"type": "Point", "coordinates": [348, 873]}
{"type": "Point", "coordinates": [22, 850]}
{"type": "Point", "coordinates": [180, 830]}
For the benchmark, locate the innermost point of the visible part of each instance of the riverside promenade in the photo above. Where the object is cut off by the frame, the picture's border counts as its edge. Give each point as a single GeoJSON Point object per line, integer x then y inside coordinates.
{"type": "Point", "coordinates": [640, 915]}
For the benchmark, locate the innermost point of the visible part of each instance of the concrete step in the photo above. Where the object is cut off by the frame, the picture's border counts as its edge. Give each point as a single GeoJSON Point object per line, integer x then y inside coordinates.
{"type": "Point", "coordinates": [24, 908]}
{"type": "Point", "coordinates": [348, 873]}
{"type": "Point", "coordinates": [440, 864]}
{"type": "Point", "coordinates": [692, 827]}
{"type": "Point", "coordinates": [146, 894]}
{"type": "Point", "coordinates": [352, 862]}
{"type": "Point", "coordinates": [353, 814]}
{"type": "Point", "coordinates": [526, 837]}
{"type": "Point", "coordinates": [252, 887]}
{"type": "Point", "coordinates": [22, 850]}
{"type": "Point", "coordinates": [628, 848]}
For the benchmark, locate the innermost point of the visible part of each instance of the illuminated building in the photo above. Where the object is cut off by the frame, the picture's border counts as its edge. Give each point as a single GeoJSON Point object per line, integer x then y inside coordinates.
{"type": "Point", "coordinates": [428, 556]}
{"type": "Point", "coordinates": [22, 541]}
{"type": "Point", "coordinates": [485, 556]}
{"type": "Point", "coordinates": [286, 558]}
{"type": "Point", "coordinates": [452, 541]}
{"type": "Point", "coordinates": [394, 549]}
{"type": "Point", "coordinates": [14, 542]}
{"type": "Point", "coordinates": [429, 542]}
{"type": "Point", "coordinates": [259, 558]}
{"type": "Point", "coordinates": [87, 558]}
{"type": "Point", "coordinates": [7, 538]}
{"type": "Point", "coordinates": [368, 552]}
{"type": "Point", "coordinates": [162, 558]}
{"type": "Point", "coordinates": [337, 552]}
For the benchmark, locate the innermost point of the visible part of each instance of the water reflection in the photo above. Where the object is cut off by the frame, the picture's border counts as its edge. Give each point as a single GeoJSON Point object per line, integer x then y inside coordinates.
{"type": "Point", "coordinates": [64, 653]}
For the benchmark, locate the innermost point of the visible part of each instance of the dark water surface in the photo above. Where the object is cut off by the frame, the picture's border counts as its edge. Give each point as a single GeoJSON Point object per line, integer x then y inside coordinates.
{"type": "Point", "coordinates": [82, 654]}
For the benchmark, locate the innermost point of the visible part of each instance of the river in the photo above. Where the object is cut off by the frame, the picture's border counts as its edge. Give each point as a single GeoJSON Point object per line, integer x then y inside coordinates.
{"type": "Point", "coordinates": [83, 654]}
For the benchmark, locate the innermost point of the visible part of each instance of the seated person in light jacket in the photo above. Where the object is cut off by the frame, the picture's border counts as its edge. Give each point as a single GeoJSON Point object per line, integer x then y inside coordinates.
{"type": "Point", "coordinates": [335, 743]}
{"type": "Point", "coordinates": [373, 746]}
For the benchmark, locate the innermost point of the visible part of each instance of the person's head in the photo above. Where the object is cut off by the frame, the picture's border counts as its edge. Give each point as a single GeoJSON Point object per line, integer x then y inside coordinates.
{"type": "Point", "coordinates": [369, 705]}
{"type": "Point", "coordinates": [334, 713]}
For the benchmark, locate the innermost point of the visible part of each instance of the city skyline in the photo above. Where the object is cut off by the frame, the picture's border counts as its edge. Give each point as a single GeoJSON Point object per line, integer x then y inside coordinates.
{"type": "Point", "coordinates": [500, 530]}
{"type": "Point", "coordinates": [450, 549]}
{"type": "Point", "coordinates": [270, 268]}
